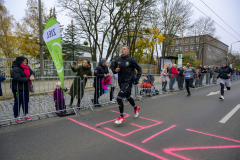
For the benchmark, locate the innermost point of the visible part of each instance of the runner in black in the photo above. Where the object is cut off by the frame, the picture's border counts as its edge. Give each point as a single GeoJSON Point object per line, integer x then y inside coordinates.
{"type": "Point", "coordinates": [224, 74]}
{"type": "Point", "coordinates": [189, 74]}
{"type": "Point", "coordinates": [125, 66]}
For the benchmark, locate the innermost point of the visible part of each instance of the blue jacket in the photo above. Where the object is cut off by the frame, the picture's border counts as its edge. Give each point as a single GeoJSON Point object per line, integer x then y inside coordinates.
{"type": "Point", "coordinates": [2, 78]}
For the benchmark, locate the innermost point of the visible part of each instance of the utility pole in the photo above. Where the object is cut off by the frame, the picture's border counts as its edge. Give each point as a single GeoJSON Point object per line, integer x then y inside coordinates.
{"type": "Point", "coordinates": [40, 38]}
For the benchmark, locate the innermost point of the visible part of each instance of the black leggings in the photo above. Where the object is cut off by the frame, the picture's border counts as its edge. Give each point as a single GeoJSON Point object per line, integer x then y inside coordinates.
{"type": "Point", "coordinates": [188, 83]}
{"type": "Point", "coordinates": [222, 89]}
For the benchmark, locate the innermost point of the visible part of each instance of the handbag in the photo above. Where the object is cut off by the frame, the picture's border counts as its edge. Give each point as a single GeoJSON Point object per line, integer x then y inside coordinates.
{"type": "Point", "coordinates": [31, 89]}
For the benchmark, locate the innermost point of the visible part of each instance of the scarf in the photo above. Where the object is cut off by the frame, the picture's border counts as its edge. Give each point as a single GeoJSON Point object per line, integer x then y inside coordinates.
{"type": "Point", "coordinates": [26, 71]}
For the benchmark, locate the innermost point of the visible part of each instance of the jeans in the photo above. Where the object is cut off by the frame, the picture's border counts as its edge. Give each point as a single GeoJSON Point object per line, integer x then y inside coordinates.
{"type": "Point", "coordinates": [112, 93]}
{"type": "Point", "coordinates": [20, 98]}
{"type": "Point", "coordinates": [171, 83]}
{"type": "Point", "coordinates": [98, 92]}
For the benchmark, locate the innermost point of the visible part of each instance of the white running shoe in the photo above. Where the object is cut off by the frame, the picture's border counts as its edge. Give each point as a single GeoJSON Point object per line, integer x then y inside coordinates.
{"type": "Point", "coordinates": [120, 120]}
{"type": "Point", "coordinates": [222, 98]}
{"type": "Point", "coordinates": [112, 102]}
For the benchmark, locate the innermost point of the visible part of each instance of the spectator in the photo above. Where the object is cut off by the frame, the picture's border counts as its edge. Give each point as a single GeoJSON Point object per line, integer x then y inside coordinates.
{"type": "Point", "coordinates": [180, 78]}
{"type": "Point", "coordinates": [204, 72]}
{"type": "Point", "coordinates": [59, 98]}
{"type": "Point", "coordinates": [163, 78]}
{"type": "Point", "coordinates": [2, 78]}
{"type": "Point", "coordinates": [78, 85]}
{"type": "Point", "coordinates": [137, 93]}
{"type": "Point", "coordinates": [22, 77]}
{"type": "Point", "coordinates": [210, 72]}
{"type": "Point", "coordinates": [199, 77]}
{"type": "Point", "coordinates": [200, 67]}
{"type": "Point", "coordinates": [114, 79]}
{"type": "Point", "coordinates": [173, 77]}
{"type": "Point", "coordinates": [100, 72]}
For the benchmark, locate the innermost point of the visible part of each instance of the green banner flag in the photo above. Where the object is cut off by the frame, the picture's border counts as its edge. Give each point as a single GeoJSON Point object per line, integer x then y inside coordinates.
{"type": "Point", "coordinates": [52, 38]}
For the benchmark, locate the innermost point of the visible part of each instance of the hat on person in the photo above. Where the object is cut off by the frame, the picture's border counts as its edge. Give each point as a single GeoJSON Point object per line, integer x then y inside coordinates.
{"type": "Point", "coordinates": [20, 59]}
{"type": "Point", "coordinates": [225, 63]}
{"type": "Point", "coordinates": [103, 60]}
{"type": "Point", "coordinates": [59, 84]}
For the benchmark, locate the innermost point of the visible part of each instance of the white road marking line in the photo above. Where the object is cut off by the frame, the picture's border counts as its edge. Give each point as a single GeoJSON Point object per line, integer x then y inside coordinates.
{"type": "Point", "coordinates": [213, 93]}
{"type": "Point", "coordinates": [229, 115]}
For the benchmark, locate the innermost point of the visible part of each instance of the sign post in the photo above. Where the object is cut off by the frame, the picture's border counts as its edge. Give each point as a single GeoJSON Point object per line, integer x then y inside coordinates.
{"type": "Point", "coordinates": [179, 60]}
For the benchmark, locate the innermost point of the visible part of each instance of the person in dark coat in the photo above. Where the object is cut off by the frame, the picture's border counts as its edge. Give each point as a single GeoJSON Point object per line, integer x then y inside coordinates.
{"type": "Point", "coordinates": [100, 72]}
{"type": "Point", "coordinates": [2, 78]}
{"type": "Point", "coordinates": [78, 85]}
{"type": "Point", "coordinates": [180, 78]}
{"type": "Point", "coordinates": [22, 77]}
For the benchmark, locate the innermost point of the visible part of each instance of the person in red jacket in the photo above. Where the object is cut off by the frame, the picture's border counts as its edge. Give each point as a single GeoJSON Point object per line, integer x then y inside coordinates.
{"type": "Point", "coordinates": [173, 77]}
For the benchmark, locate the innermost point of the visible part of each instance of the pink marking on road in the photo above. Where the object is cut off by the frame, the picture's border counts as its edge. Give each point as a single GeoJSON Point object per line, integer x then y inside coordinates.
{"type": "Point", "coordinates": [149, 119]}
{"type": "Point", "coordinates": [126, 115]}
{"type": "Point", "coordinates": [213, 135]}
{"type": "Point", "coordinates": [137, 125]}
{"type": "Point", "coordinates": [144, 141]}
{"type": "Point", "coordinates": [170, 150]}
{"type": "Point", "coordinates": [132, 131]}
{"type": "Point", "coordinates": [119, 140]}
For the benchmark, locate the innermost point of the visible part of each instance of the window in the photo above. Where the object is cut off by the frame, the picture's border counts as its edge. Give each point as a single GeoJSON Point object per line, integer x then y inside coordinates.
{"type": "Point", "coordinates": [191, 48]}
{"type": "Point", "coordinates": [181, 41]}
{"type": "Point", "coordinates": [172, 49]}
{"type": "Point", "coordinates": [192, 40]}
{"type": "Point", "coordinates": [177, 41]}
{"type": "Point", "coordinates": [209, 48]}
{"type": "Point", "coordinates": [197, 47]}
{"type": "Point", "coordinates": [176, 49]}
{"type": "Point", "coordinates": [180, 49]}
{"type": "Point", "coordinates": [186, 48]}
{"type": "Point", "coordinates": [197, 39]}
{"type": "Point", "coordinates": [186, 41]}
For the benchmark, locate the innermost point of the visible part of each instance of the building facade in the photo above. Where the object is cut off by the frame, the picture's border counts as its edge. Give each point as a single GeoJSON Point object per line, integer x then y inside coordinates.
{"type": "Point", "coordinates": [209, 50]}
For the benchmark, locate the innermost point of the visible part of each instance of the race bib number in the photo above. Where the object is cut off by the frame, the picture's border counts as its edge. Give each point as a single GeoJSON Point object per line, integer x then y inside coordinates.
{"type": "Point", "coordinates": [187, 75]}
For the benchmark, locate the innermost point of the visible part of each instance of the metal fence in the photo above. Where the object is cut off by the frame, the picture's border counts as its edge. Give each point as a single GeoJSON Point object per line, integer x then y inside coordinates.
{"type": "Point", "coordinates": [49, 68]}
{"type": "Point", "coordinates": [42, 105]}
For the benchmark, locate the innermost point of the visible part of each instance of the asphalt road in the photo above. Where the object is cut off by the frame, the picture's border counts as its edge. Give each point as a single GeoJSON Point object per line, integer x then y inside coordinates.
{"type": "Point", "coordinates": [170, 127]}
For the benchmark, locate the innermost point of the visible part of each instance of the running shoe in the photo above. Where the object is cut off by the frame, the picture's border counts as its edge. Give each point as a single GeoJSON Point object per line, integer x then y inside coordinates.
{"type": "Point", "coordinates": [136, 111]}
{"type": "Point", "coordinates": [18, 120]}
{"type": "Point", "coordinates": [222, 98]}
{"type": "Point", "coordinates": [120, 120]}
{"type": "Point", "coordinates": [112, 102]}
{"type": "Point", "coordinates": [189, 95]}
{"type": "Point", "coordinates": [28, 117]}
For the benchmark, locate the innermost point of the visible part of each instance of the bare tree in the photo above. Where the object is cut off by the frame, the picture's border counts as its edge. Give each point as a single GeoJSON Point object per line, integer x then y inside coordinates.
{"type": "Point", "coordinates": [174, 19]}
{"type": "Point", "coordinates": [203, 30]}
{"type": "Point", "coordinates": [104, 22]}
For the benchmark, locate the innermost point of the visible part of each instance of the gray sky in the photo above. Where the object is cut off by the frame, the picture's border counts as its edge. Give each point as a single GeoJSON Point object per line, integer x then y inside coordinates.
{"type": "Point", "coordinates": [228, 10]}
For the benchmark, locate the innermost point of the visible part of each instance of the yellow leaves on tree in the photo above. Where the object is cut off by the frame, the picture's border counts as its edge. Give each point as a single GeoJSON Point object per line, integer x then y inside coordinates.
{"type": "Point", "coordinates": [148, 37]}
{"type": "Point", "coordinates": [190, 57]}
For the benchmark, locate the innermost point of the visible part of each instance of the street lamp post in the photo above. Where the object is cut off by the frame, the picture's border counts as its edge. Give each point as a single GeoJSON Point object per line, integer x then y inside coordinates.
{"type": "Point", "coordinates": [40, 38]}
{"type": "Point", "coordinates": [231, 50]}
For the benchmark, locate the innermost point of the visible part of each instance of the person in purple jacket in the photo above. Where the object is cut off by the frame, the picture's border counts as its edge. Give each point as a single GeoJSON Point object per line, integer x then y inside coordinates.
{"type": "Point", "coordinates": [59, 98]}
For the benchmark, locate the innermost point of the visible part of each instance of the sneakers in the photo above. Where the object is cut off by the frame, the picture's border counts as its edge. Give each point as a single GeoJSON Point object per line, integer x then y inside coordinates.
{"type": "Point", "coordinates": [120, 120]}
{"type": "Point", "coordinates": [189, 95]}
{"type": "Point", "coordinates": [28, 117]}
{"type": "Point", "coordinates": [18, 120]}
{"type": "Point", "coordinates": [136, 112]}
{"type": "Point", "coordinates": [112, 102]}
{"type": "Point", "coordinates": [222, 98]}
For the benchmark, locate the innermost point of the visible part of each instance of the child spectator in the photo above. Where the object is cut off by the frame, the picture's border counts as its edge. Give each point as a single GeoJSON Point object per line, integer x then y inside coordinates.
{"type": "Point", "coordinates": [59, 98]}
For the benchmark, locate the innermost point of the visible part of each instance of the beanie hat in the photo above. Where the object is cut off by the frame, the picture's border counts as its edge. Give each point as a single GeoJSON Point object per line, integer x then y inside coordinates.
{"type": "Point", "coordinates": [20, 59]}
{"type": "Point", "coordinates": [103, 60]}
{"type": "Point", "coordinates": [225, 63]}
